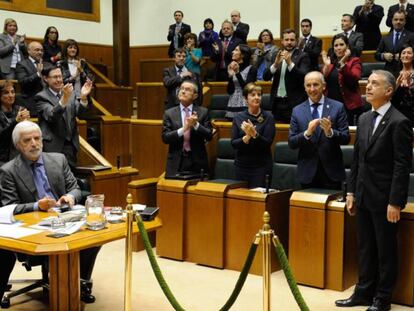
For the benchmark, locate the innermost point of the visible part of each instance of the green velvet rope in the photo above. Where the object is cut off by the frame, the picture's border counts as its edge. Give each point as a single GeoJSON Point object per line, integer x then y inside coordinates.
{"type": "Point", "coordinates": [163, 283]}
{"type": "Point", "coordinates": [242, 278]}
{"type": "Point", "coordinates": [156, 267]}
{"type": "Point", "coordinates": [289, 276]}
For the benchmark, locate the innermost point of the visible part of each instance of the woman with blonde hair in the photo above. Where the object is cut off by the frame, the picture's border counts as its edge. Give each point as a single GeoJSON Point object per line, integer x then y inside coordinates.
{"type": "Point", "coordinates": [12, 49]}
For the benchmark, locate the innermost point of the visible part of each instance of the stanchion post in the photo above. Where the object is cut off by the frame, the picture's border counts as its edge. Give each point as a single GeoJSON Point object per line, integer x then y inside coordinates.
{"type": "Point", "coordinates": [266, 233]}
{"type": "Point", "coordinates": [128, 255]}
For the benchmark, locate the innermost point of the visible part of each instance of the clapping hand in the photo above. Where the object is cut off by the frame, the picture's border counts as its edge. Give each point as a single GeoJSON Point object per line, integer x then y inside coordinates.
{"type": "Point", "coordinates": [345, 58]}
{"type": "Point", "coordinates": [22, 115]}
{"type": "Point", "coordinates": [326, 125]}
{"type": "Point", "coordinates": [67, 90]}
{"type": "Point", "coordinates": [86, 89]}
{"type": "Point", "coordinates": [191, 121]}
{"type": "Point", "coordinates": [325, 58]}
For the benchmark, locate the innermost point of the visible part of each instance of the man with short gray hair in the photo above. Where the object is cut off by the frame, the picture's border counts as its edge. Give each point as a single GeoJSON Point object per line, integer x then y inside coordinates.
{"type": "Point", "coordinates": [37, 181]}
{"type": "Point", "coordinates": [378, 190]}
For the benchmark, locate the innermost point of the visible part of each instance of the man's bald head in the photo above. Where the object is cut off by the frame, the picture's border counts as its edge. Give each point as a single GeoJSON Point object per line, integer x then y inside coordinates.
{"type": "Point", "coordinates": [35, 50]}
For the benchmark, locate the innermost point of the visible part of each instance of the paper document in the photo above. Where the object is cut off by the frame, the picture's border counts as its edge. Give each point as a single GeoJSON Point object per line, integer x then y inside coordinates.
{"type": "Point", "coordinates": [6, 214]}
{"type": "Point", "coordinates": [15, 231]}
{"type": "Point", "coordinates": [263, 190]}
{"type": "Point", "coordinates": [138, 207]}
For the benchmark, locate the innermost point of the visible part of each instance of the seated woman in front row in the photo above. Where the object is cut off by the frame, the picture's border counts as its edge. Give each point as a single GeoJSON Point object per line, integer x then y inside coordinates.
{"type": "Point", "coordinates": [252, 137]}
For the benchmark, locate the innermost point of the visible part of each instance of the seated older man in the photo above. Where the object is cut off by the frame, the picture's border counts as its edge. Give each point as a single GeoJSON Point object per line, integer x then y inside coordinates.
{"type": "Point", "coordinates": [37, 181]}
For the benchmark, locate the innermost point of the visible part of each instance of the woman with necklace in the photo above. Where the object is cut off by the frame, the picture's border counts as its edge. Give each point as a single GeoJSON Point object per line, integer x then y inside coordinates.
{"type": "Point", "coordinates": [252, 136]}
{"type": "Point", "coordinates": [10, 115]}
{"type": "Point", "coordinates": [403, 98]}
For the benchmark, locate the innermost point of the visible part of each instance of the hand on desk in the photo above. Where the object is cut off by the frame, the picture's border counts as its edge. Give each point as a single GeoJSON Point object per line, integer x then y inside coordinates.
{"type": "Point", "coordinates": [66, 199]}
{"type": "Point", "coordinates": [46, 203]}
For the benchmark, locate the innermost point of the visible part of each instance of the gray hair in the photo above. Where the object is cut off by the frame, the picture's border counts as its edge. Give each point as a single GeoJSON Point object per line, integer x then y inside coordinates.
{"type": "Point", "coordinates": [388, 77]}
{"type": "Point", "coordinates": [24, 127]}
{"type": "Point", "coordinates": [318, 73]}
{"type": "Point", "coordinates": [193, 83]}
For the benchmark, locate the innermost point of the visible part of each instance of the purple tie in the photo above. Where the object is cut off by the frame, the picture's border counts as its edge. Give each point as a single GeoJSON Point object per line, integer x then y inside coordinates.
{"type": "Point", "coordinates": [186, 144]}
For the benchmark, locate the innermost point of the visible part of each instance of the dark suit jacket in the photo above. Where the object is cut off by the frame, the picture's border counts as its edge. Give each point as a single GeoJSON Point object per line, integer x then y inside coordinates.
{"type": "Point", "coordinates": [242, 31]}
{"type": "Point", "coordinates": [319, 147]}
{"type": "Point", "coordinates": [30, 83]}
{"type": "Point", "coordinates": [84, 75]}
{"type": "Point", "coordinates": [382, 163]}
{"type": "Point", "coordinates": [6, 52]}
{"type": "Point", "coordinates": [170, 37]}
{"type": "Point", "coordinates": [171, 123]}
{"type": "Point", "coordinates": [17, 185]}
{"type": "Point", "coordinates": [216, 57]}
{"type": "Point", "coordinates": [7, 125]}
{"type": "Point", "coordinates": [368, 25]}
{"type": "Point", "coordinates": [313, 48]}
{"type": "Point", "coordinates": [293, 79]}
{"type": "Point", "coordinates": [356, 43]}
{"type": "Point", "coordinates": [386, 46]}
{"type": "Point", "coordinates": [409, 17]}
{"type": "Point", "coordinates": [57, 122]}
{"type": "Point", "coordinates": [172, 81]}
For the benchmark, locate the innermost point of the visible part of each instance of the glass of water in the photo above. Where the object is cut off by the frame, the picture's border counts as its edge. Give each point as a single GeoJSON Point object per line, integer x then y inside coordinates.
{"type": "Point", "coordinates": [95, 214]}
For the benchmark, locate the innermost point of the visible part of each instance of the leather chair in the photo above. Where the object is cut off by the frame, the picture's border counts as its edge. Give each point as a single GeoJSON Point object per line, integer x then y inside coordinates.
{"type": "Point", "coordinates": [28, 262]}
{"type": "Point", "coordinates": [347, 158]}
{"type": "Point", "coordinates": [224, 168]}
{"type": "Point", "coordinates": [285, 167]}
{"type": "Point", "coordinates": [218, 106]}
{"type": "Point", "coordinates": [266, 104]}
{"type": "Point", "coordinates": [367, 69]}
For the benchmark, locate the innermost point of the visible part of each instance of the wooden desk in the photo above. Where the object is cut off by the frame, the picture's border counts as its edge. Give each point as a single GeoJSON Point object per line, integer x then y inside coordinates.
{"type": "Point", "coordinates": [172, 201]}
{"type": "Point", "coordinates": [204, 226]}
{"type": "Point", "coordinates": [64, 293]}
{"type": "Point", "coordinates": [322, 236]}
{"type": "Point", "coordinates": [244, 217]}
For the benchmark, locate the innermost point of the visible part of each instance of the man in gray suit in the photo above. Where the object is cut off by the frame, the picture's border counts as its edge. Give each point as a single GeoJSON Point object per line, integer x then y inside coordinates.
{"type": "Point", "coordinates": [29, 75]}
{"type": "Point", "coordinates": [37, 181]}
{"type": "Point", "coordinates": [57, 109]}
{"type": "Point", "coordinates": [356, 39]}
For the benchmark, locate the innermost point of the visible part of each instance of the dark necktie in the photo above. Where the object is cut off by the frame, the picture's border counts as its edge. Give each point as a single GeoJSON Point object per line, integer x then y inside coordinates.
{"type": "Point", "coordinates": [374, 116]}
{"type": "Point", "coordinates": [315, 114]}
{"type": "Point", "coordinates": [396, 39]}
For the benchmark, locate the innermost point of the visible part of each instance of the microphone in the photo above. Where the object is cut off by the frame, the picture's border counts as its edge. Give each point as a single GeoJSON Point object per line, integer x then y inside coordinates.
{"type": "Point", "coordinates": [202, 174]}
{"type": "Point", "coordinates": [267, 182]}
{"type": "Point", "coordinates": [344, 190]}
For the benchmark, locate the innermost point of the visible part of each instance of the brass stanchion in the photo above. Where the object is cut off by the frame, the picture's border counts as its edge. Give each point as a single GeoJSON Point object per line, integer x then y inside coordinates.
{"type": "Point", "coordinates": [266, 233]}
{"type": "Point", "coordinates": [128, 255]}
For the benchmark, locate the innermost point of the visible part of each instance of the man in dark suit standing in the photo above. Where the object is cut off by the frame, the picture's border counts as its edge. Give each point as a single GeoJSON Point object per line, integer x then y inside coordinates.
{"type": "Point", "coordinates": [318, 127]}
{"type": "Point", "coordinates": [378, 190]}
{"type": "Point", "coordinates": [367, 20]}
{"type": "Point", "coordinates": [186, 128]}
{"type": "Point", "coordinates": [173, 77]}
{"type": "Point", "coordinates": [176, 33]}
{"type": "Point", "coordinates": [241, 30]}
{"type": "Point", "coordinates": [390, 45]}
{"type": "Point", "coordinates": [57, 108]}
{"type": "Point", "coordinates": [36, 181]}
{"type": "Point", "coordinates": [223, 50]}
{"type": "Point", "coordinates": [356, 39]}
{"type": "Point", "coordinates": [408, 10]}
{"type": "Point", "coordinates": [288, 70]}
{"type": "Point", "coordinates": [310, 44]}
{"type": "Point", "coordinates": [29, 75]}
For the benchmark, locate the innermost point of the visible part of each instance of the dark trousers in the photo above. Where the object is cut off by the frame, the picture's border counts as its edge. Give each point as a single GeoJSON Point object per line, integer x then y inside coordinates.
{"type": "Point", "coordinates": [322, 180]}
{"type": "Point", "coordinates": [281, 110]}
{"type": "Point", "coordinates": [188, 164]}
{"type": "Point", "coordinates": [7, 258]}
{"type": "Point", "coordinates": [377, 255]}
{"type": "Point", "coordinates": [255, 177]}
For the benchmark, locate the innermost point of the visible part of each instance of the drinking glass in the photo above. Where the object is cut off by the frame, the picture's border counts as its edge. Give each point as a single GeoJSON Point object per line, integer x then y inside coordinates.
{"type": "Point", "coordinates": [95, 214]}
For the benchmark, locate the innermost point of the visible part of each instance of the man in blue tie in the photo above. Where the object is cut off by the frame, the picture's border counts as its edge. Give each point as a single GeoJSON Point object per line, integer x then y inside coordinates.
{"type": "Point", "coordinates": [37, 181]}
{"type": "Point", "coordinates": [317, 128]}
{"type": "Point", "coordinates": [390, 45]}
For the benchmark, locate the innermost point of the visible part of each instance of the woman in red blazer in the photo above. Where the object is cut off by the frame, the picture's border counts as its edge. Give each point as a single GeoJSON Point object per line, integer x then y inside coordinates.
{"type": "Point", "coordinates": [342, 72]}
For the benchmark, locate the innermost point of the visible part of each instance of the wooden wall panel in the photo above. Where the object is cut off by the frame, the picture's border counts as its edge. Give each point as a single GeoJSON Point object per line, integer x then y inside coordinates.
{"type": "Point", "coordinates": [150, 98]}
{"type": "Point", "coordinates": [117, 100]}
{"type": "Point", "coordinates": [148, 152]}
{"type": "Point", "coordinates": [152, 69]}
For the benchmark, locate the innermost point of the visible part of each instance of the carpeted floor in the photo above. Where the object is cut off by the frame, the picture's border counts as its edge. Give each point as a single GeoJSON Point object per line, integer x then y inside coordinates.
{"type": "Point", "coordinates": [197, 288]}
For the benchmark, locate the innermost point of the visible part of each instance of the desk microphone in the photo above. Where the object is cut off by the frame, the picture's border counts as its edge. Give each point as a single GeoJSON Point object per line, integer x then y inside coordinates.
{"type": "Point", "coordinates": [267, 182]}
{"type": "Point", "coordinates": [118, 162]}
{"type": "Point", "coordinates": [202, 174]}
{"type": "Point", "coordinates": [344, 190]}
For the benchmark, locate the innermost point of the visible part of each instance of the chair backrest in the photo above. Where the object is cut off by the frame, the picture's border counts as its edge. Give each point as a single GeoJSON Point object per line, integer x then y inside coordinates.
{"type": "Point", "coordinates": [285, 167]}
{"type": "Point", "coordinates": [367, 69]}
{"type": "Point", "coordinates": [347, 158]}
{"type": "Point", "coordinates": [218, 106]}
{"type": "Point", "coordinates": [224, 168]}
{"type": "Point", "coordinates": [266, 104]}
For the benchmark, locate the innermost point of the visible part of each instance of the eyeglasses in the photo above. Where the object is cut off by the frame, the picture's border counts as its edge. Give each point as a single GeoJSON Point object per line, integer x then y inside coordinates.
{"type": "Point", "coordinates": [56, 77]}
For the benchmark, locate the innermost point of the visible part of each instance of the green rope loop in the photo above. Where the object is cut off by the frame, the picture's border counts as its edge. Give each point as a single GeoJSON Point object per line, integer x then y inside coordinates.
{"type": "Point", "coordinates": [280, 252]}
{"type": "Point", "coordinates": [242, 278]}
{"type": "Point", "coordinates": [156, 267]}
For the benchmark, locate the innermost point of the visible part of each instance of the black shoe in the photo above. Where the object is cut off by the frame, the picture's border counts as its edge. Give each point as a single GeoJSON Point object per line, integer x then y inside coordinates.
{"type": "Point", "coordinates": [353, 301]}
{"type": "Point", "coordinates": [379, 305]}
{"type": "Point", "coordinates": [86, 292]}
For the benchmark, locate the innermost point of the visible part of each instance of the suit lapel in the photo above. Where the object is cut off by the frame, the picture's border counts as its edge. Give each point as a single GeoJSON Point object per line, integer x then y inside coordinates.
{"type": "Point", "coordinates": [381, 126]}
{"type": "Point", "coordinates": [26, 176]}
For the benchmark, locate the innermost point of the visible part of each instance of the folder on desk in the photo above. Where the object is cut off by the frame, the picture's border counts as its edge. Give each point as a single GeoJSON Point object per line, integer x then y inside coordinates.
{"type": "Point", "coordinates": [7, 214]}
